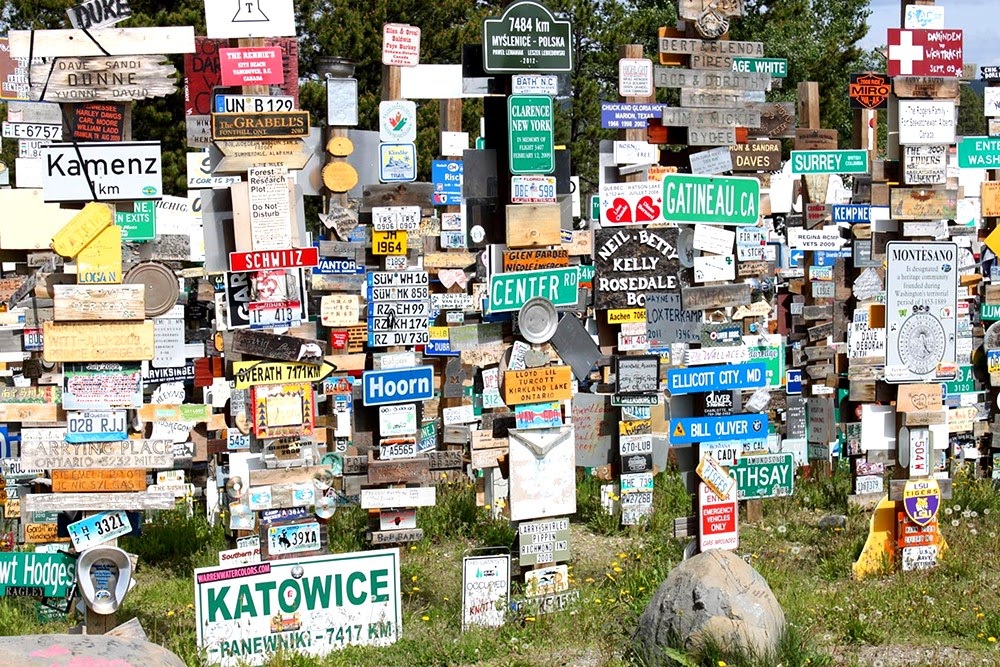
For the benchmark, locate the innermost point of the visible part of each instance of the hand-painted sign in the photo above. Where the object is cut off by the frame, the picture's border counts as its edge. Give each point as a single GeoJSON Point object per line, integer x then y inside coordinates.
{"type": "Point", "coordinates": [715, 378]}
{"type": "Point", "coordinates": [631, 262]}
{"type": "Point", "coordinates": [688, 430]}
{"type": "Point", "coordinates": [924, 52]}
{"type": "Point", "coordinates": [485, 590]}
{"type": "Point", "coordinates": [273, 125]}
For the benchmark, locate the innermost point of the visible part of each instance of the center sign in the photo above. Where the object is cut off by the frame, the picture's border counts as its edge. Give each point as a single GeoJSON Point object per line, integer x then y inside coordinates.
{"type": "Point", "coordinates": [527, 38]}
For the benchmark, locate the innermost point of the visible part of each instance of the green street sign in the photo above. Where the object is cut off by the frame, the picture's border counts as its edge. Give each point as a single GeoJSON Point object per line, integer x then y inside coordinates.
{"type": "Point", "coordinates": [964, 382]}
{"type": "Point", "coordinates": [510, 291]}
{"type": "Point", "coordinates": [773, 357]}
{"type": "Point", "coordinates": [140, 224]}
{"type": "Point", "coordinates": [764, 476]}
{"type": "Point", "coordinates": [527, 38]}
{"type": "Point", "coordinates": [830, 162]}
{"type": "Point", "coordinates": [989, 311]}
{"type": "Point", "coordinates": [776, 67]}
{"type": "Point", "coordinates": [713, 200]}
{"type": "Point", "coordinates": [36, 574]}
{"type": "Point", "coordinates": [979, 153]}
{"type": "Point", "coordinates": [480, 143]}
{"type": "Point", "coordinates": [595, 207]}
{"type": "Point", "coordinates": [532, 134]}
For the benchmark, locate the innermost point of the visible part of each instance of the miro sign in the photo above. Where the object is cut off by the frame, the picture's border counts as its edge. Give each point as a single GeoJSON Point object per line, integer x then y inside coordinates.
{"type": "Point", "coordinates": [716, 378]}
{"type": "Point", "coordinates": [312, 606]}
{"type": "Point", "coordinates": [402, 385]}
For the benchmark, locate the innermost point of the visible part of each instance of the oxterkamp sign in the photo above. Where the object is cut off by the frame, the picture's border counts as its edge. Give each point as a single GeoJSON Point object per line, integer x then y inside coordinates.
{"type": "Point", "coordinates": [111, 171]}
{"type": "Point", "coordinates": [312, 606]}
{"type": "Point", "coordinates": [527, 38]}
{"type": "Point", "coordinates": [720, 200]}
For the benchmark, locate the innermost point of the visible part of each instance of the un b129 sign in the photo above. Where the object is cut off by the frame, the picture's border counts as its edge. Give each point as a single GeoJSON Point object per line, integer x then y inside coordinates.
{"type": "Point", "coordinates": [113, 171]}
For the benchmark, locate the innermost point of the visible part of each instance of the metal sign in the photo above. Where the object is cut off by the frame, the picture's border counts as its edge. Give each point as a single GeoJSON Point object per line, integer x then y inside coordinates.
{"type": "Point", "coordinates": [869, 91]}
{"type": "Point", "coordinates": [311, 605]}
{"type": "Point", "coordinates": [979, 153]}
{"type": "Point", "coordinates": [527, 38]}
{"type": "Point", "coordinates": [270, 125]}
{"type": "Point", "coordinates": [510, 291]}
{"type": "Point", "coordinates": [715, 378]}
{"type": "Point", "coordinates": [926, 122]}
{"type": "Point", "coordinates": [485, 590]}
{"type": "Point", "coordinates": [113, 171]}
{"type": "Point", "coordinates": [267, 260]}
{"type": "Point", "coordinates": [531, 128]}
{"type": "Point", "coordinates": [764, 476]}
{"type": "Point", "coordinates": [718, 520]}
{"type": "Point", "coordinates": [689, 430]}
{"type": "Point", "coordinates": [719, 200]}
{"type": "Point", "coordinates": [98, 529]}
{"type": "Point", "coordinates": [830, 162]}
{"type": "Point", "coordinates": [924, 52]}
{"type": "Point", "coordinates": [252, 103]}
{"type": "Point", "coordinates": [921, 311]}
{"type": "Point", "coordinates": [404, 385]}
{"type": "Point", "coordinates": [37, 574]}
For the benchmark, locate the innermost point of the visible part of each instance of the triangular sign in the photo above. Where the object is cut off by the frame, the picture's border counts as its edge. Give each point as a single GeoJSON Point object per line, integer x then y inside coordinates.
{"type": "Point", "coordinates": [679, 430]}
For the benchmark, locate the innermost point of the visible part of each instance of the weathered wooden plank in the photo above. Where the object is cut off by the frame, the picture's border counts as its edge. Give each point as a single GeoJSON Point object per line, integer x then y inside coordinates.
{"type": "Point", "coordinates": [719, 47]}
{"type": "Point", "coordinates": [241, 155]}
{"type": "Point", "coordinates": [533, 225]}
{"type": "Point", "coordinates": [397, 536]}
{"type": "Point", "coordinates": [300, 475]}
{"type": "Point", "coordinates": [807, 139]}
{"type": "Point", "coordinates": [777, 120]}
{"type": "Point", "coordinates": [26, 412]}
{"type": "Point", "coordinates": [420, 496]}
{"type": "Point", "coordinates": [715, 296]}
{"type": "Point", "coordinates": [95, 502]}
{"type": "Point", "coordinates": [398, 194]}
{"type": "Point", "coordinates": [923, 203]}
{"type": "Point", "coordinates": [443, 460]}
{"type": "Point", "coordinates": [925, 417]}
{"type": "Point", "coordinates": [78, 303]}
{"type": "Point", "coordinates": [114, 41]}
{"type": "Point", "coordinates": [680, 117]}
{"type": "Point", "coordinates": [414, 471]}
{"type": "Point", "coordinates": [103, 79]}
{"type": "Point", "coordinates": [925, 87]}
{"type": "Point", "coordinates": [711, 136]}
{"type": "Point", "coordinates": [77, 481]}
{"type": "Point", "coordinates": [275, 346]}
{"type": "Point", "coordinates": [98, 342]}
{"type": "Point", "coordinates": [54, 452]}
{"type": "Point", "coordinates": [711, 79]}
{"type": "Point", "coordinates": [719, 98]}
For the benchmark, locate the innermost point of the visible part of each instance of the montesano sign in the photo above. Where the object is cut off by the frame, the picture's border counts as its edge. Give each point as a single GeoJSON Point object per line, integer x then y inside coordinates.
{"type": "Point", "coordinates": [275, 125]}
{"type": "Point", "coordinates": [122, 171]}
{"type": "Point", "coordinates": [869, 91]}
{"type": "Point", "coordinates": [293, 258]}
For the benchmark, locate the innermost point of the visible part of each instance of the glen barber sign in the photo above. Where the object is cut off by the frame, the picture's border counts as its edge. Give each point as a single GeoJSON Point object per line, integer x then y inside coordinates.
{"type": "Point", "coordinates": [312, 606]}
{"type": "Point", "coordinates": [716, 378]}
{"type": "Point", "coordinates": [402, 385]}
{"type": "Point", "coordinates": [113, 171]}
{"type": "Point", "coordinates": [718, 200]}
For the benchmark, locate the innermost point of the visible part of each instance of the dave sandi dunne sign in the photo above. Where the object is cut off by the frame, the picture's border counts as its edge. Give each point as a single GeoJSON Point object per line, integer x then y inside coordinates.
{"type": "Point", "coordinates": [312, 606]}
{"type": "Point", "coordinates": [629, 262]}
{"type": "Point", "coordinates": [921, 305]}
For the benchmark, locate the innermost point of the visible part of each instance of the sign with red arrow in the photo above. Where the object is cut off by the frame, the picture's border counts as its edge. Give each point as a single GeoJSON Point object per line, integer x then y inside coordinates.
{"type": "Point", "coordinates": [924, 52]}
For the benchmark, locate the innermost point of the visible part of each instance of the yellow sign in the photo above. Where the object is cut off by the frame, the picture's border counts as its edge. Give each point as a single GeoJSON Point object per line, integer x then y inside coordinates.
{"type": "Point", "coordinates": [249, 373]}
{"type": "Point", "coordinates": [100, 262]}
{"type": "Point", "coordinates": [38, 533]}
{"type": "Point", "coordinates": [389, 243]}
{"type": "Point", "coordinates": [679, 430]}
{"type": "Point", "coordinates": [82, 229]}
{"type": "Point", "coordinates": [538, 385]}
{"type": "Point", "coordinates": [98, 341]}
{"type": "Point", "coordinates": [626, 316]}
{"type": "Point", "coordinates": [283, 410]}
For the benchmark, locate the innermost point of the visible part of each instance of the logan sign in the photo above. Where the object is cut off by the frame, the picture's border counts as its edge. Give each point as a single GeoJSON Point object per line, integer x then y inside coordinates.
{"type": "Point", "coordinates": [114, 171]}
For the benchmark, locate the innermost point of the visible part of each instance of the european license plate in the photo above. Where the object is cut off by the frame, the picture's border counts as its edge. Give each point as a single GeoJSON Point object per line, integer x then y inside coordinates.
{"type": "Point", "coordinates": [275, 314]}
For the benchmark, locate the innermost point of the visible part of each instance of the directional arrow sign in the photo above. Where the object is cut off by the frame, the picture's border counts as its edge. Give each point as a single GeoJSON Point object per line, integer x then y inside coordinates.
{"type": "Point", "coordinates": [241, 155]}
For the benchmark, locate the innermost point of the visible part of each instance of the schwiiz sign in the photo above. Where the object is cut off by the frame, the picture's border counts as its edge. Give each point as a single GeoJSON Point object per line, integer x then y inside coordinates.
{"type": "Point", "coordinates": [312, 606]}
{"type": "Point", "coordinates": [264, 260]}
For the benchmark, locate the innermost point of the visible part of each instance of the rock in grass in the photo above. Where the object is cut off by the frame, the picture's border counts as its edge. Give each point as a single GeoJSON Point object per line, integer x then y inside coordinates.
{"type": "Point", "coordinates": [91, 650]}
{"type": "Point", "coordinates": [714, 596]}
{"type": "Point", "coordinates": [833, 521]}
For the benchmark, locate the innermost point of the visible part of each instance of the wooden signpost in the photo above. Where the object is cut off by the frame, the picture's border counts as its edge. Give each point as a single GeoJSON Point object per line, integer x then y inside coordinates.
{"type": "Point", "coordinates": [74, 303]}
{"type": "Point", "coordinates": [103, 79]}
{"type": "Point", "coordinates": [98, 342]}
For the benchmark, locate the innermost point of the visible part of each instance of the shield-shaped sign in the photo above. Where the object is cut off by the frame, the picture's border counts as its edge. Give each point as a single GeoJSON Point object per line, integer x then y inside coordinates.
{"type": "Point", "coordinates": [869, 91]}
{"type": "Point", "coordinates": [921, 499]}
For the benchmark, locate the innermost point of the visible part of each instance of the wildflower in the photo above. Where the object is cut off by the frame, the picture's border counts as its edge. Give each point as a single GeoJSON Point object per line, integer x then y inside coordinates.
{"type": "Point", "coordinates": [782, 529]}
{"type": "Point", "coordinates": [190, 606]}
{"type": "Point", "coordinates": [974, 514]}
{"type": "Point", "coordinates": [415, 589]}
{"type": "Point", "coordinates": [425, 618]}
{"type": "Point", "coordinates": [413, 547]}
{"type": "Point", "coordinates": [623, 556]}
{"type": "Point", "coordinates": [589, 580]}
{"type": "Point", "coordinates": [957, 508]}
{"type": "Point", "coordinates": [980, 615]}
{"type": "Point", "coordinates": [597, 600]}
{"type": "Point", "coordinates": [722, 663]}
{"type": "Point", "coordinates": [530, 618]}
{"type": "Point", "coordinates": [618, 570]}
{"type": "Point", "coordinates": [413, 578]}
{"type": "Point", "coordinates": [947, 511]}
{"type": "Point", "coordinates": [955, 522]}
{"type": "Point", "coordinates": [991, 639]}
{"type": "Point", "coordinates": [986, 511]}
{"type": "Point", "coordinates": [170, 613]}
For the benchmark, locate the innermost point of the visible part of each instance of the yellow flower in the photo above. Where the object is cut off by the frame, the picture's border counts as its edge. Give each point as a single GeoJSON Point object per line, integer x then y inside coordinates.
{"type": "Point", "coordinates": [991, 639]}
{"type": "Point", "coordinates": [415, 589]}
{"type": "Point", "coordinates": [597, 600]}
{"type": "Point", "coordinates": [488, 506]}
{"type": "Point", "coordinates": [530, 618]}
{"type": "Point", "coordinates": [623, 555]}
{"type": "Point", "coordinates": [413, 548]}
{"type": "Point", "coordinates": [618, 570]}
{"type": "Point", "coordinates": [980, 615]}
{"type": "Point", "coordinates": [170, 613]}
{"type": "Point", "coordinates": [722, 663]}
{"type": "Point", "coordinates": [425, 618]}
{"type": "Point", "coordinates": [589, 580]}
{"type": "Point", "coordinates": [614, 563]}
{"type": "Point", "coordinates": [190, 606]}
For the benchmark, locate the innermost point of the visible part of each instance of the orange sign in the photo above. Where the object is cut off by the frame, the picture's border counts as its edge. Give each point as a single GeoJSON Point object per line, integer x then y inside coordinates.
{"type": "Point", "coordinates": [89, 479]}
{"type": "Point", "coordinates": [991, 199]}
{"type": "Point", "coordinates": [538, 385]}
{"type": "Point", "coordinates": [869, 91]}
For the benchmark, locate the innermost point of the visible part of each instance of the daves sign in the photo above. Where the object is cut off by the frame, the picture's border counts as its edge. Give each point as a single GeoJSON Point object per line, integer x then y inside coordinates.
{"type": "Point", "coordinates": [122, 171]}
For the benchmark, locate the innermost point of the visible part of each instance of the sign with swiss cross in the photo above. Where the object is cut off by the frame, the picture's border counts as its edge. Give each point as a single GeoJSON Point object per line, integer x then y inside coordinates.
{"type": "Point", "coordinates": [925, 52]}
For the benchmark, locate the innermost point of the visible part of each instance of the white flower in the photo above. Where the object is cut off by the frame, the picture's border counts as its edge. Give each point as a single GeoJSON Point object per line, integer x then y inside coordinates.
{"type": "Point", "coordinates": [947, 511]}
{"type": "Point", "coordinates": [955, 522]}
{"type": "Point", "coordinates": [782, 529]}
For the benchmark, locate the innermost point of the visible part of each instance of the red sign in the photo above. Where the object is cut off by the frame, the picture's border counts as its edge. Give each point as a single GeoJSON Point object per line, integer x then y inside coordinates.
{"type": "Point", "coordinates": [13, 78]}
{"type": "Point", "coordinates": [718, 529]}
{"type": "Point", "coordinates": [925, 52]}
{"type": "Point", "coordinates": [201, 74]}
{"type": "Point", "coordinates": [869, 91]}
{"type": "Point", "coordinates": [97, 121]}
{"type": "Point", "coordinates": [262, 260]}
{"type": "Point", "coordinates": [259, 66]}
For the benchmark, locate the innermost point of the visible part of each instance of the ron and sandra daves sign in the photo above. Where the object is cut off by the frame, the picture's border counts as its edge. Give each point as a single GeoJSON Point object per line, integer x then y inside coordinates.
{"type": "Point", "coordinates": [114, 171]}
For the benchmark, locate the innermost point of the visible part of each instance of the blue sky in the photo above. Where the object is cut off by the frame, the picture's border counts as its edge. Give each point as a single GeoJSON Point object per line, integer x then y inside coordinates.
{"type": "Point", "coordinates": [979, 19]}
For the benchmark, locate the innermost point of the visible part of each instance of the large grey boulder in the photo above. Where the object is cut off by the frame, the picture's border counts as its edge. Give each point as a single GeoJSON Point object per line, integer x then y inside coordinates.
{"type": "Point", "coordinates": [714, 595]}
{"type": "Point", "coordinates": [89, 650]}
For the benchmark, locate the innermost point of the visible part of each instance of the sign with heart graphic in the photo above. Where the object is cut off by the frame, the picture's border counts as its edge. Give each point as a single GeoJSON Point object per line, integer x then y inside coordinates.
{"type": "Point", "coordinates": [630, 203]}
{"type": "Point", "coordinates": [397, 121]}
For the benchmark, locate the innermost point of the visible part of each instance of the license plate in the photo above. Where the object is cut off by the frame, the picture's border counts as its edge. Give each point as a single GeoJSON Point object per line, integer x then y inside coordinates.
{"type": "Point", "coordinates": [638, 498]}
{"type": "Point", "coordinates": [96, 426]}
{"type": "Point", "coordinates": [32, 340]}
{"type": "Point", "coordinates": [532, 189]}
{"type": "Point", "coordinates": [404, 450]}
{"type": "Point", "coordinates": [275, 314]}
{"type": "Point", "coordinates": [637, 482]}
{"type": "Point", "coordinates": [32, 131]}
{"type": "Point", "coordinates": [293, 539]}
{"type": "Point", "coordinates": [98, 529]}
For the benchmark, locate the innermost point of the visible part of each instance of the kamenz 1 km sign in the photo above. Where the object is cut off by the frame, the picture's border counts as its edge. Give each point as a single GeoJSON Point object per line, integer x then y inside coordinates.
{"type": "Point", "coordinates": [527, 38]}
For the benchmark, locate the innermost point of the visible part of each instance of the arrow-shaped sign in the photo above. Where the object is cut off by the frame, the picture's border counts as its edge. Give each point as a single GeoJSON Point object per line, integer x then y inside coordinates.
{"type": "Point", "coordinates": [240, 155]}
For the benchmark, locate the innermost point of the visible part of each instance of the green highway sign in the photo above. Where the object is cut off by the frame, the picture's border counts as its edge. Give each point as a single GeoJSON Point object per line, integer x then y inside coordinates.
{"type": "Point", "coordinates": [964, 382]}
{"type": "Point", "coordinates": [532, 134]}
{"type": "Point", "coordinates": [527, 38]}
{"type": "Point", "coordinates": [764, 476]}
{"type": "Point", "coordinates": [36, 574]}
{"type": "Point", "coordinates": [989, 311]}
{"type": "Point", "coordinates": [776, 67]}
{"type": "Point", "coordinates": [595, 207]}
{"type": "Point", "coordinates": [979, 152]}
{"type": "Point", "coordinates": [713, 200]}
{"type": "Point", "coordinates": [830, 162]}
{"type": "Point", "coordinates": [510, 291]}
{"type": "Point", "coordinates": [140, 223]}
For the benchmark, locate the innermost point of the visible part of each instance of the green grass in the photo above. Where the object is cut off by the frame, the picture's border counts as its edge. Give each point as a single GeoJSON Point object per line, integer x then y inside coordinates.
{"type": "Point", "coordinates": [832, 619]}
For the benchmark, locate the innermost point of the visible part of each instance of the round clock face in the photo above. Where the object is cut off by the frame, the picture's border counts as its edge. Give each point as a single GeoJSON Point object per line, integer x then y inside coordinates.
{"type": "Point", "coordinates": [921, 343]}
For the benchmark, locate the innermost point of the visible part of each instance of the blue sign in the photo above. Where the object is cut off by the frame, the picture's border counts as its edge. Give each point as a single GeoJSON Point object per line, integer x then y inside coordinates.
{"type": "Point", "coordinates": [440, 347]}
{"type": "Point", "coordinates": [830, 257]}
{"type": "Point", "coordinates": [4, 442]}
{"type": "Point", "coordinates": [624, 116]}
{"type": "Point", "coordinates": [852, 213]}
{"type": "Point", "coordinates": [690, 430]}
{"type": "Point", "coordinates": [716, 378]}
{"type": "Point", "coordinates": [447, 178]}
{"type": "Point", "coordinates": [338, 267]}
{"type": "Point", "coordinates": [401, 385]}
{"type": "Point", "coordinates": [795, 257]}
{"type": "Point", "coordinates": [793, 381]}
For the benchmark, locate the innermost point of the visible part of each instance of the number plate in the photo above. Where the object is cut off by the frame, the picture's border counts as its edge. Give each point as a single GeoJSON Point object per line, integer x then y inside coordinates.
{"type": "Point", "coordinates": [32, 340]}
{"type": "Point", "coordinates": [404, 450]}
{"type": "Point", "coordinates": [642, 481]}
{"type": "Point", "coordinates": [32, 131]}
{"type": "Point", "coordinates": [399, 218]}
{"type": "Point", "coordinates": [293, 539]}
{"type": "Point", "coordinates": [277, 314]}
{"type": "Point", "coordinates": [253, 103]}
{"type": "Point", "coordinates": [637, 498]}
{"type": "Point", "coordinates": [98, 529]}
{"type": "Point", "coordinates": [532, 189]}
{"type": "Point", "coordinates": [389, 243]}
{"type": "Point", "coordinates": [96, 426]}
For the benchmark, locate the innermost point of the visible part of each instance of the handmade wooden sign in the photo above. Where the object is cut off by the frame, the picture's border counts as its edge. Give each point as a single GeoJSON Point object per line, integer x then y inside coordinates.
{"type": "Point", "coordinates": [100, 261]}
{"type": "Point", "coordinates": [85, 480]}
{"type": "Point", "coordinates": [96, 502]}
{"type": "Point", "coordinates": [280, 411]}
{"type": "Point", "coordinates": [98, 302]}
{"type": "Point", "coordinates": [98, 14]}
{"type": "Point", "coordinates": [51, 451]}
{"type": "Point", "coordinates": [28, 412]}
{"type": "Point", "coordinates": [716, 296]}
{"type": "Point", "coordinates": [923, 203]}
{"type": "Point", "coordinates": [538, 385]}
{"type": "Point", "coordinates": [631, 262]}
{"type": "Point", "coordinates": [282, 348]}
{"type": "Point", "coordinates": [103, 79]}
{"type": "Point", "coordinates": [113, 42]}
{"type": "Point", "coordinates": [98, 342]}
{"type": "Point", "coordinates": [241, 155]}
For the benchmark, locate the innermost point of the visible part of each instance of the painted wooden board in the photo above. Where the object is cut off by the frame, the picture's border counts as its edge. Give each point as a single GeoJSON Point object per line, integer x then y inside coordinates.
{"type": "Point", "coordinates": [397, 536]}
{"type": "Point", "coordinates": [82, 229]}
{"type": "Point", "coordinates": [275, 346]}
{"type": "Point", "coordinates": [175, 413]}
{"type": "Point", "coordinates": [103, 79]}
{"type": "Point", "coordinates": [91, 479]}
{"type": "Point", "coordinates": [716, 296]}
{"type": "Point", "coordinates": [28, 204]}
{"type": "Point", "coordinates": [241, 155]}
{"type": "Point", "coordinates": [922, 203]}
{"type": "Point", "coordinates": [95, 502]}
{"type": "Point", "coordinates": [100, 261]}
{"type": "Point", "coordinates": [301, 475]}
{"type": "Point", "coordinates": [103, 341]}
{"type": "Point", "coordinates": [76, 303]}
{"type": "Point", "coordinates": [54, 452]}
{"type": "Point", "coordinates": [114, 41]}
{"type": "Point", "coordinates": [414, 471]}
{"type": "Point", "coordinates": [925, 87]}
{"type": "Point", "coordinates": [450, 260]}
{"type": "Point", "coordinates": [27, 412]}
{"type": "Point", "coordinates": [537, 385]}
{"type": "Point", "coordinates": [533, 225]}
